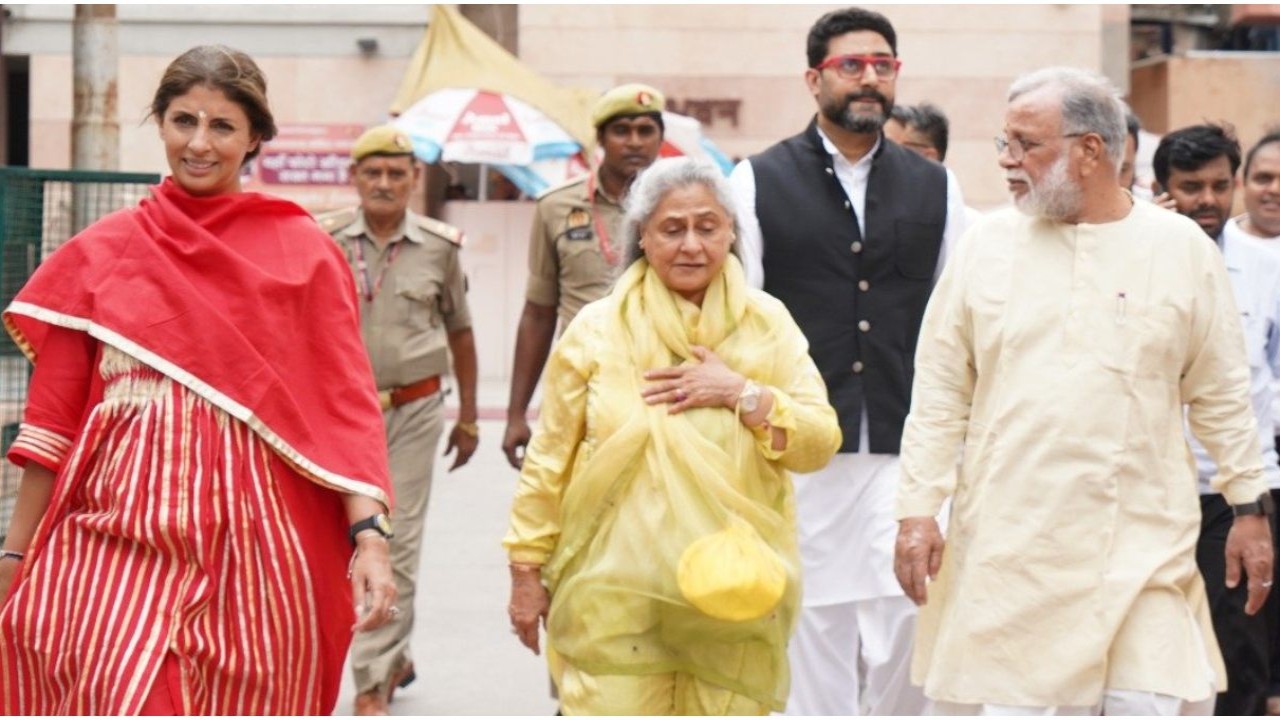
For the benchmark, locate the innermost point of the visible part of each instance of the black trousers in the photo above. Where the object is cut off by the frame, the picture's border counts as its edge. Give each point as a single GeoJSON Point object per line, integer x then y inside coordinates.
{"type": "Point", "coordinates": [1247, 642]}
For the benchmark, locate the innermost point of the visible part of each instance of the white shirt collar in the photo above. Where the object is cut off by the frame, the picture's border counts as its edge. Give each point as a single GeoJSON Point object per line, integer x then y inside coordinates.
{"type": "Point", "coordinates": [831, 149]}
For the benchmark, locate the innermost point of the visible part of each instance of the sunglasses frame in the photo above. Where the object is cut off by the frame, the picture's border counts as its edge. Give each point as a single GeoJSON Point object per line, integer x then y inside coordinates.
{"type": "Point", "coordinates": [866, 60]}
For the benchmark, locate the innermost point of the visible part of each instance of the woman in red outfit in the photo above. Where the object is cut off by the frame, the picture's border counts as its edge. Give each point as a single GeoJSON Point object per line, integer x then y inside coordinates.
{"type": "Point", "coordinates": [202, 431]}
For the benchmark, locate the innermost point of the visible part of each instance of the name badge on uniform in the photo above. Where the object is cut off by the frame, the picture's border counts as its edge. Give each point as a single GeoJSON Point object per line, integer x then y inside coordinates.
{"type": "Point", "coordinates": [579, 225]}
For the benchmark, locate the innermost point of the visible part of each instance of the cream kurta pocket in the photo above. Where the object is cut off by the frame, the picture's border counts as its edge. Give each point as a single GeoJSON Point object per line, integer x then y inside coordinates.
{"type": "Point", "coordinates": [1134, 338]}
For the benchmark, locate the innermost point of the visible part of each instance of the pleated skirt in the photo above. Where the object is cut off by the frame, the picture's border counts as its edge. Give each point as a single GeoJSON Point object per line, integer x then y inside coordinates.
{"type": "Point", "coordinates": [169, 545]}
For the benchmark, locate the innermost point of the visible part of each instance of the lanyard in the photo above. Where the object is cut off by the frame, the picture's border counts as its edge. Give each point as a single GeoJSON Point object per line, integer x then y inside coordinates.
{"type": "Point", "coordinates": [369, 290]}
{"type": "Point", "coordinates": [606, 248]}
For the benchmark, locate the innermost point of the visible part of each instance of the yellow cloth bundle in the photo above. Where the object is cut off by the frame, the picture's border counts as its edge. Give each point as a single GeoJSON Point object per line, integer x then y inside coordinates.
{"type": "Point", "coordinates": [732, 574]}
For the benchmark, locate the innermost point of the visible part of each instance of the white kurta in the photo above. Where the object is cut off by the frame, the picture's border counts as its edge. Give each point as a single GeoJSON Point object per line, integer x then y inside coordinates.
{"type": "Point", "coordinates": [1060, 356]}
{"type": "Point", "coordinates": [1233, 233]}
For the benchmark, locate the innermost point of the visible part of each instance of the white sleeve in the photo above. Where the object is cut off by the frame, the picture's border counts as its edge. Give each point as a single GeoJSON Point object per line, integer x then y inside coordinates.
{"type": "Point", "coordinates": [957, 222]}
{"type": "Point", "coordinates": [1273, 361]}
{"type": "Point", "coordinates": [750, 239]}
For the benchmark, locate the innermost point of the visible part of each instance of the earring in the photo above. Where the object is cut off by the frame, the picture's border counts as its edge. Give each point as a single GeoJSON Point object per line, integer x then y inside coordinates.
{"type": "Point", "coordinates": [640, 244]}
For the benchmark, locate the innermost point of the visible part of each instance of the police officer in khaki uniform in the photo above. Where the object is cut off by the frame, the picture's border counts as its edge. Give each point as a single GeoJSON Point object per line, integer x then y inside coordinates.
{"type": "Point", "coordinates": [575, 248]}
{"type": "Point", "coordinates": [413, 315]}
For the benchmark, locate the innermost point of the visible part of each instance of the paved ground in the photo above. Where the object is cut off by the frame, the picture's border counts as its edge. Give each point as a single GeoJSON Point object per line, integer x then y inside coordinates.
{"type": "Point", "coordinates": [467, 660]}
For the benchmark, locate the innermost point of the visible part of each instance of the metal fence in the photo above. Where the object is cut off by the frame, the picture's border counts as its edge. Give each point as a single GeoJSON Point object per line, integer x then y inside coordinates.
{"type": "Point", "coordinates": [40, 210]}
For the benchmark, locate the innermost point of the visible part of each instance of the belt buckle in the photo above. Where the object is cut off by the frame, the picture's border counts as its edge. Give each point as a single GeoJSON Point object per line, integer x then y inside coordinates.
{"type": "Point", "coordinates": [384, 399]}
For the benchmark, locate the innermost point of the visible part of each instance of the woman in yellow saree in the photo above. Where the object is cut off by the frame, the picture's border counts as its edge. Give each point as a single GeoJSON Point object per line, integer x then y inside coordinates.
{"type": "Point", "coordinates": [653, 529]}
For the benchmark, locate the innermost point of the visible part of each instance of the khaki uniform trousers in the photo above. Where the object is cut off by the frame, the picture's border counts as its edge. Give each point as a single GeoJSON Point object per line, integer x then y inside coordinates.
{"type": "Point", "coordinates": [413, 439]}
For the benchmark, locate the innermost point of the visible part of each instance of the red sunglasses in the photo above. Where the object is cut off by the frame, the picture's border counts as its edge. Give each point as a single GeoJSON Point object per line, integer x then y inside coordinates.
{"type": "Point", "coordinates": [852, 67]}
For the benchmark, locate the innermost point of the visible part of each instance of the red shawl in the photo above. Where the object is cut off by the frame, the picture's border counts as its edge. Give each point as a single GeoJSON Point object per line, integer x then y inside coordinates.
{"type": "Point", "coordinates": [243, 299]}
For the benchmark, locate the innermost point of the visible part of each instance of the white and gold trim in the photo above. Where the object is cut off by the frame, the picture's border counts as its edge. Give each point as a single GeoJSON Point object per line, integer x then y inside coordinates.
{"type": "Point", "coordinates": [303, 464]}
{"type": "Point", "coordinates": [38, 443]}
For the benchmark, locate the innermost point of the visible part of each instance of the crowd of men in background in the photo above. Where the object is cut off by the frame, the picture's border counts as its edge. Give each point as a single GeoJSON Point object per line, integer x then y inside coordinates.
{"type": "Point", "coordinates": [858, 211]}
{"type": "Point", "coordinates": [1197, 170]}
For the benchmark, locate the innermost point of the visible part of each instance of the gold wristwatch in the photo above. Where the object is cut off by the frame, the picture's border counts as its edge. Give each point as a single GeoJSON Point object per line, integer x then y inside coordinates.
{"type": "Point", "coordinates": [380, 522]}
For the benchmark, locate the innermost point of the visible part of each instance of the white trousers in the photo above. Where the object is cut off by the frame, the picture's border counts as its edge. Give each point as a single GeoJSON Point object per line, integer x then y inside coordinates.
{"type": "Point", "coordinates": [839, 649]}
{"type": "Point", "coordinates": [851, 652]}
{"type": "Point", "coordinates": [1114, 702]}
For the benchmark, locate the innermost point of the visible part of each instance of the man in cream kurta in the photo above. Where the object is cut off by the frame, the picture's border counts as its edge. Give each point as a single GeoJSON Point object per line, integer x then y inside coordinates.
{"type": "Point", "coordinates": [1058, 349]}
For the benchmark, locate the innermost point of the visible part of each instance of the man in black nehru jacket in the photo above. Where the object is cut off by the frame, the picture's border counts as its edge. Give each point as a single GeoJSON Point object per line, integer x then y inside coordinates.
{"type": "Point", "coordinates": [850, 230]}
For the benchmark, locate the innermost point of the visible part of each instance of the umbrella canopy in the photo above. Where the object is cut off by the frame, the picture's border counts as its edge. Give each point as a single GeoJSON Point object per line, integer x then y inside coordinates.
{"type": "Point", "coordinates": [478, 126]}
{"type": "Point", "coordinates": [683, 136]}
{"type": "Point", "coordinates": [454, 53]}
{"type": "Point", "coordinates": [465, 98]}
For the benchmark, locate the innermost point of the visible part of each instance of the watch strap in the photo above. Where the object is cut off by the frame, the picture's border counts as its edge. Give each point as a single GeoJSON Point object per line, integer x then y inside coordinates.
{"type": "Point", "coordinates": [1264, 506]}
{"type": "Point", "coordinates": [381, 523]}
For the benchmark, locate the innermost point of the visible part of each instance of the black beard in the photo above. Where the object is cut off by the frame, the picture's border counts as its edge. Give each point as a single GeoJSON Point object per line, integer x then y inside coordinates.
{"type": "Point", "coordinates": [860, 123]}
{"type": "Point", "coordinates": [843, 115]}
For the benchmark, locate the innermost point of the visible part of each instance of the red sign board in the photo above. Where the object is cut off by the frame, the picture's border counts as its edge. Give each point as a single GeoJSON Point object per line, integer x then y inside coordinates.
{"type": "Point", "coordinates": [307, 155]}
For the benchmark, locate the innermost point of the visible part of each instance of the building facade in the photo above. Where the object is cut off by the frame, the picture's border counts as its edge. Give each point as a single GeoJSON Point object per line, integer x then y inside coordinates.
{"type": "Point", "coordinates": [333, 70]}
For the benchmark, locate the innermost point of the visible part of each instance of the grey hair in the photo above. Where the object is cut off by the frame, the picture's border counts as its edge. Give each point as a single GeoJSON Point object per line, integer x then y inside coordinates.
{"type": "Point", "coordinates": [1090, 104]}
{"type": "Point", "coordinates": [660, 178]}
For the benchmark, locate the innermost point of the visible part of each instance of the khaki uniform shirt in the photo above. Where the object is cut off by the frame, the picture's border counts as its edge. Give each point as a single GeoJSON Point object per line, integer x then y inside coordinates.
{"type": "Point", "coordinates": [1060, 357]}
{"type": "Point", "coordinates": [421, 300]}
{"type": "Point", "coordinates": [567, 270]}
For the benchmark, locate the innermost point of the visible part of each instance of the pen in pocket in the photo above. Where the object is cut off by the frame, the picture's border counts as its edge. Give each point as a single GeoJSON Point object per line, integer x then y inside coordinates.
{"type": "Point", "coordinates": [1120, 309]}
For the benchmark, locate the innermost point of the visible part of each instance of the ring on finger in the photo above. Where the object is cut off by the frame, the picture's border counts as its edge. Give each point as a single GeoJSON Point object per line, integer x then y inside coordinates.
{"type": "Point", "coordinates": [680, 396]}
{"type": "Point", "coordinates": [393, 611]}
{"type": "Point", "coordinates": [1267, 584]}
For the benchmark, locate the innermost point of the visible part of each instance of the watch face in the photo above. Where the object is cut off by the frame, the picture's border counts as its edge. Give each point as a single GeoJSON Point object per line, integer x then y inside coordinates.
{"type": "Point", "coordinates": [384, 524]}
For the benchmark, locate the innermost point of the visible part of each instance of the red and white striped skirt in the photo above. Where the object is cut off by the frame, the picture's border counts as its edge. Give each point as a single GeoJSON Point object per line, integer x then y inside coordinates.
{"type": "Point", "coordinates": [169, 570]}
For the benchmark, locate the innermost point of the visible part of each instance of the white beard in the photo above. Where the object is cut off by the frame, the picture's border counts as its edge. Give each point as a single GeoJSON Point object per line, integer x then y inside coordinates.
{"type": "Point", "coordinates": [1055, 198]}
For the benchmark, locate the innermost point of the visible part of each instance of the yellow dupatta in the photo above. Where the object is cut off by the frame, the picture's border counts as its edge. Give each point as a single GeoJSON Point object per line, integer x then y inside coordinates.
{"type": "Point", "coordinates": [656, 483]}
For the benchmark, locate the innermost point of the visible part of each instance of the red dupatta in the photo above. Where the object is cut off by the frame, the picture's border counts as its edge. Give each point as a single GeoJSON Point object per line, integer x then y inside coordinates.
{"type": "Point", "coordinates": [243, 299]}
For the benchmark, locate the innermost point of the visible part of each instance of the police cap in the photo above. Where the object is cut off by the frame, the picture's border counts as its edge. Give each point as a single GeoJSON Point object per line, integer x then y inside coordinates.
{"type": "Point", "coordinates": [630, 99]}
{"type": "Point", "coordinates": [381, 140]}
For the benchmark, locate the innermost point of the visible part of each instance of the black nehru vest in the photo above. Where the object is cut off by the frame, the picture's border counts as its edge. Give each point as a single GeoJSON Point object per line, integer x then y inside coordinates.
{"type": "Point", "coordinates": [858, 300]}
